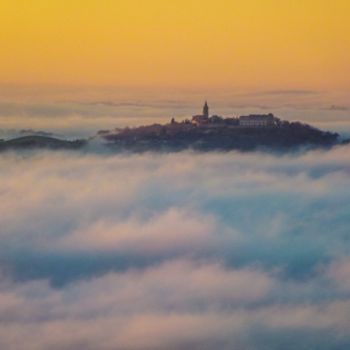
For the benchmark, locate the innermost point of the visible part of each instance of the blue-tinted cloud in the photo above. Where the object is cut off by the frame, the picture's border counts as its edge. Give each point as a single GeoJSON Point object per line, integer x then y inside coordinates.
{"type": "Point", "coordinates": [174, 251]}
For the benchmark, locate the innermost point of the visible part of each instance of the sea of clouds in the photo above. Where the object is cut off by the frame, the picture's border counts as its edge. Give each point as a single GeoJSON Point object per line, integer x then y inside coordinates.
{"type": "Point", "coordinates": [244, 251]}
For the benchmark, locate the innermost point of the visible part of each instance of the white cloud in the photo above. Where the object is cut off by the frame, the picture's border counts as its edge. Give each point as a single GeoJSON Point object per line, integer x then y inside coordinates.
{"type": "Point", "coordinates": [172, 251]}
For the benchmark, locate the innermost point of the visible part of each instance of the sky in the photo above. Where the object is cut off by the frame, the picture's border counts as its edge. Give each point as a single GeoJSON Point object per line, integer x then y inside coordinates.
{"type": "Point", "coordinates": [192, 44]}
{"type": "Point", "coordinates": [75, 67]}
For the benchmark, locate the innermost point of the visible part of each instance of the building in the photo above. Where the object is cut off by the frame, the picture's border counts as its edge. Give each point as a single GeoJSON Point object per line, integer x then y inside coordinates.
{"type": "Point", "coordinates": [257, 120]}
{"type": "Point", "coordinates": [245, 121]}
{"type": "Point", "coordinates": [203, 118]}
{"type": "Point", "coordinates": [206, 110]}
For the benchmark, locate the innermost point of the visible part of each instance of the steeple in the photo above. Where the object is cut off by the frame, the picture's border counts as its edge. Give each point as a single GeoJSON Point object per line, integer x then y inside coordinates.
{"type": "Point", "coordinates": [206, 110]}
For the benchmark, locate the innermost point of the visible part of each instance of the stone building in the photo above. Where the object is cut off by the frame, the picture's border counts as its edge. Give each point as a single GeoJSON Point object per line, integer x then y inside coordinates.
{"type": "Point", "coordinates": [257, 120]}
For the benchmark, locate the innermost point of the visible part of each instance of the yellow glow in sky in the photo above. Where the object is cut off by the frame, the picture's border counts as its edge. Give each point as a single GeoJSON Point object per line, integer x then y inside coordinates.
{"type": "Point", "coordinates": [196, 43]}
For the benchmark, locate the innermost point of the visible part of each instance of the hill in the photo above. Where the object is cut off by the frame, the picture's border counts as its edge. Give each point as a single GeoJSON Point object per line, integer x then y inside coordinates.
{"type": "Point", "coordinates": [180, 136]}
{"type": "Point", "coordinates": [30, 142]}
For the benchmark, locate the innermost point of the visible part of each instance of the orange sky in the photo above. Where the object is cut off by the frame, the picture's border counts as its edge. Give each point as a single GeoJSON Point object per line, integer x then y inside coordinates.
{"type": "Point", "coordinates": [186, 43]}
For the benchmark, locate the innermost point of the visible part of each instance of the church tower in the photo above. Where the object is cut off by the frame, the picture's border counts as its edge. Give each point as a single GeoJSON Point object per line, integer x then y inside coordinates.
{"type": "Point", "coordinates": [206, 110]}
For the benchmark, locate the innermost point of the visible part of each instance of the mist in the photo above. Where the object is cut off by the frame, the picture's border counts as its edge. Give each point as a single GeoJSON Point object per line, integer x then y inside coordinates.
{"type": "Point", "coordinates": [174, 251]}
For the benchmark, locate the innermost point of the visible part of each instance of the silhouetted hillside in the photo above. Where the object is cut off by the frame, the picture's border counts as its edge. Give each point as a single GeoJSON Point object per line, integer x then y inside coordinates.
{"type": "Point", "coordinates": [175, 137]}
{"type": "Point", "coordinates": [29, 142]}
{"type": "Point", "coordinates": [184, 135]}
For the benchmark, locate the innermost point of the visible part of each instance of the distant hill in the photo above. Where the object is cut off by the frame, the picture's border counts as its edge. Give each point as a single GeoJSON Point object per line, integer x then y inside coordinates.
{"type": "Point", "coordinates": [29, 142]}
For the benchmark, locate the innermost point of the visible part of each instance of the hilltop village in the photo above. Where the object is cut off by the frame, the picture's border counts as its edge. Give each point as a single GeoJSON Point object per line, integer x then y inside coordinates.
{"type": "Point", "coordinates": [204, 133]}
{"type": "Point", "coordinates": [200, 123]}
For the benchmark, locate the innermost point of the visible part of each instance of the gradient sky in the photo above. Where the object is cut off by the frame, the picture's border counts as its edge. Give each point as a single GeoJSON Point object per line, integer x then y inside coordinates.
{"type": "Point", "coordinates": [186, 43]}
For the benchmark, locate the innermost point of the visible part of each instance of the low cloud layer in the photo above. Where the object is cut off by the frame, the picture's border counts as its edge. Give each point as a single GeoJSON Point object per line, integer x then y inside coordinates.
{"type": "Point", "coordinates": [175, 251]}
